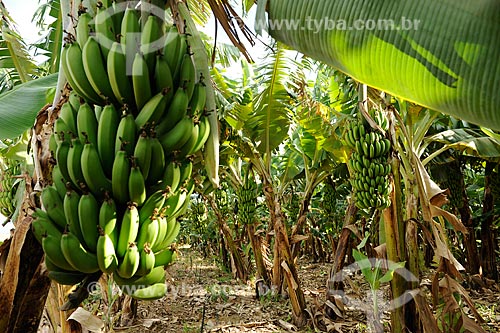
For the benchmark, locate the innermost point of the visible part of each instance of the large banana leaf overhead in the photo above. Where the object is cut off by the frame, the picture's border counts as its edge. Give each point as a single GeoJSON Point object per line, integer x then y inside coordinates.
{"type": "Point", "coordinates": [443, 54]}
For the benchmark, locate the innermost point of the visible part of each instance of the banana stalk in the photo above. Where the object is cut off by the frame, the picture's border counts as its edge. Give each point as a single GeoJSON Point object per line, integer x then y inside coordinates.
{"type": "Point", "coordinates": [201, 64]}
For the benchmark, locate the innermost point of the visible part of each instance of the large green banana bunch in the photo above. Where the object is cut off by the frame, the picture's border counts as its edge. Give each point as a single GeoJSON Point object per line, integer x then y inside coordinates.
{"type": "Point", "coordinates": [9, 170]}
{"type": "Point", "coordinates": [368, 163]}
{"type": "Point", "coordinates": [123, 144]}
{"type": "Point", "coordinates": [247, 202]}
{"type": "Point", "coordinates": [454, 181]}
{"type": "Point", "coordinates": [495, 185]}
{"type": "Point", "coordinates": [329, 198]}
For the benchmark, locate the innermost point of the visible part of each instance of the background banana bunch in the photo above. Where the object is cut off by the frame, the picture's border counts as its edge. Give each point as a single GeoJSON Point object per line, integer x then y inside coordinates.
{"type": "Point", "coordinates": [123, 144]}
{"type": "Point", "coordinates": [247, 201]}
{"type": "Point", "coordinates": [10, 169]}
{"type": "Point", "coordinates": [329, 198]}
{"type": "Point", "coordinates": [368, 162]}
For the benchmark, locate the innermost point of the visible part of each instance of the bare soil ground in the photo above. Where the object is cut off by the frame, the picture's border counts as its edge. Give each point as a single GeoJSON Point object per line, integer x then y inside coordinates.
{"type": "Point", "coordinates": [203, 295]}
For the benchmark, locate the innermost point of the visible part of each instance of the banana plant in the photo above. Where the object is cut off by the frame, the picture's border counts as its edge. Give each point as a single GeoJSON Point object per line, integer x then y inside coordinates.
{"type": "Point", "coordinates": [440, 54]}
{"type": "Point", "coordinates": [28, 86]}
{"type": "Point", "coordinates": [48, 17]}
{"type": "Point", "coordinates": [260, 119]}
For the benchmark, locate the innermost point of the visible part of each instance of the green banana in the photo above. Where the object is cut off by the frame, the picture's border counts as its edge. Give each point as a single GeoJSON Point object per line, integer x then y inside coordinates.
{"type": "Point", "coordinates": [53, 205]}
{"type": "Point", "coordinates": [95, 67]}
{"type": "Point", "coordinates": [172, 48]}
{"type": "Point", "coordinates": [75, 100]}
{"type": "Point", "coordinates": [146, 260]}
{"type": "Point", "coordinates": [186, 171]}
{"type": "Point", "coordinates": [118, 14]}
{"type": "Point", "coordinates": [118, 76]}
{"type": "Point", "coordinates": [130, 35]}
{"type": "Point", "coordinates": [188, 75]}
{"type": "Point", "coordinates": [43, 226]}
{"type": "Point", "coordinates": [198, 100]}
{"type": "Point", "coordinates": [69, 116]}
{"type": "Point", "coordinates": [177, 136]}
{"type": "Point", "coordinates": [62, 158]}
{"type": "Point", "coordinates": [106, 136]}
{"type": "Point", "coordinates": [128, 230]}
{"type": "Point", "coordinates": [88, 215]}
{"type": "Point", "coordinates": [147, 232]}
{"type": "Point", "coordinates": [171, 235]}
{"type": "Point", "coordinates": [143, 153]}
{"type": "Point", "coordinates": [93, 173]}
{"type": "Point", "coordinates": [136, 185]}
{"type": "Point", "coordinates": [87, 124]}
{"type": "Point", "coordinates": [163, 78]}
{"type": "Point", "coordinates": [108, 219]}
{"type": "Point", "coordinates": [152, 292]}
{"type": "Point", "coordinates": [204, 133]}
{"type": "Point", "coordinates": [163, 257]}
{"type": "Point", "coordinates": [157, 165]}
{"type": "Point", "coordinates": [190, 144]}
{"type": "Point", "coordinates": [71, 203]}
{"type": "Point", "coordinates": [173, 204]}
{"type": "Point", "coordinates": [183, 50]}
{"type": "Point", "coordinates": [126, 135]}
{"type": "Point", "coordinates": [154, 202]}
{"type": "Point", "coordinates": [130, 262]}
{"type": "Point", "coordinates": [106, 256]}
{"type": "Point", "coordinates": [162, 232]}
{"type": "Point", "coordinates": [51, 245]}
{"type": "Point", "coordinates": [104, 28]}
{"type": "Point", "coordinates": [83, 28]}
{"type": "Point", "coordinates": [58, 181]}
{"type": "Point", "coordinates": [51, 266]}
{"type": "Point", "coordinates": [76, 75]}
{"type": "Point", "coordinates": [157, 275]}
{"type": "Point", "coordinates": [78, 257]}
{"type": "Point", "coordinates": [119, 177]}
{"type": "Point", "coordinates": [153, 110]}
{"type": "Point", "coordinates": [176, 111]}
{"type": "Point", "coordinates": [151, 40]}
{"type": "Point", "coordinates": [141, 81]}
{"type": "Point", "coordinates": [53, 145]}
{"type": "Point", "coordinates": [67, 278]}
{"type": "Point", "coordinates": [74, 162]}
{"type": "Point", "coordinates": [97, 112]}
{"type": "Point", "coordinates": [189, 189]}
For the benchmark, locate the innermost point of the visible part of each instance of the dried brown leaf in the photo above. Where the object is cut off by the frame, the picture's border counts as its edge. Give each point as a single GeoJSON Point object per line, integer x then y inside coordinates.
{"type": "Point", "coordinates": [427, 318]}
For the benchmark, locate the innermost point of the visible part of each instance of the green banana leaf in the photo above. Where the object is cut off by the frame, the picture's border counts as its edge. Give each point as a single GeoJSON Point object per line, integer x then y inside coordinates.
{"type": "Point", "coordinates": [19, 106]}
{"type": "Point", "coordinates": [472, 142]}
{"type": "Point", "coordinates": [441, 54]}
{"type": "Point", "coordinates": [50, 45]}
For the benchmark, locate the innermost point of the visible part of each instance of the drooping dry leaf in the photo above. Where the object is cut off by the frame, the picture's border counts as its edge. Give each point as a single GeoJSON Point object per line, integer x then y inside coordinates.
{"type": "Point", "coordinates": [287, 326]}
{"type": "Point", "coordinates": [299, 238]}
{"type": "Point", "coordinates": [442, 249]}
{"type": "Point", "coordinates": [457, 288]}
{"type": "Point", "coordinates": [455, 222]}
{"type": "Point", "coordinates": [87, 320]}
{"type": "Point", "coordinates": [427, 318]}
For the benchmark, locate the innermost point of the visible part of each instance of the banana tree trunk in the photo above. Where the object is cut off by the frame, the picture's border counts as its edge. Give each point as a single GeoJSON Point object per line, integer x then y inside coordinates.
{"type": "Point", "coordinates": [283, 263]}
{"type": "Point", "coordinates": [24, 285]}
{"type": "Point", "coordinates": [488, 255]}
{"type": "Point", "coordinates": [334, 285]}
{"type": "Point", "coordinates": [301, 221]}
{"type": "Point", "coordinates": [471, 253]}
{"type": "Point", "coordinates": [256, 243]}
{"type": "Point", "coordinates": [438, 53]}
{"type": "Point", "coordinates": [237, 258]}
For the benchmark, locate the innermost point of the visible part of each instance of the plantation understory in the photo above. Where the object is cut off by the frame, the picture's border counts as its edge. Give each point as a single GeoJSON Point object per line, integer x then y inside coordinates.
{"type": "Point", "coordinates": [198, 284]}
